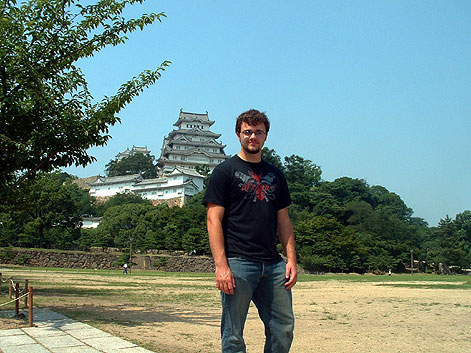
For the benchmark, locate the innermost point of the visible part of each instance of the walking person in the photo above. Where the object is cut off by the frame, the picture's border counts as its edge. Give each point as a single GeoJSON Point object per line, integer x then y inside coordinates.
{"type": "Point", "coordinates": [247, 200]}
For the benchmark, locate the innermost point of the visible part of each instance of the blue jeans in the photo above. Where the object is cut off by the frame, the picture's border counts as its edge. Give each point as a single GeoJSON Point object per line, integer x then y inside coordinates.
{"type": "Point", "coordinates": [264, 285]}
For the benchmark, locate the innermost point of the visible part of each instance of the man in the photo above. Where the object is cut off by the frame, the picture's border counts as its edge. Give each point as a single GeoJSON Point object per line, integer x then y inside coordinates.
{"type": "Point", "coordinates": [247, 200]}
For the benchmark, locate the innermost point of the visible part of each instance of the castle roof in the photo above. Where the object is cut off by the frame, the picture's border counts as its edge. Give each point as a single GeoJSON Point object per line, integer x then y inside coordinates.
{"type": "Point", "coordinates": [129, 152]}
{"type": "Point", "coordinates": [183, 140]}
{"type": "Point", "coordinates": [194, 131]}
{"type": "Point", "coordinates": [101, 180]}
{"type": "Point", "coordinates": [161, 180]}
{"type": "Point", "coordinates": [192, 152]}
{"type": "Point", "coordinates": [185, 171]}
{"type": "Point", "coordinates": [193, 118]}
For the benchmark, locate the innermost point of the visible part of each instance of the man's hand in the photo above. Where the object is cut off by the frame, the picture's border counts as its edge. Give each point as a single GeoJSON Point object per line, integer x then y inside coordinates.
{"type": "Point", "coordinates": [291, 275]}
{"type": "Point", "coordinates": [286, 234]}
{"type": "Point", "coordinates": [225, 280]}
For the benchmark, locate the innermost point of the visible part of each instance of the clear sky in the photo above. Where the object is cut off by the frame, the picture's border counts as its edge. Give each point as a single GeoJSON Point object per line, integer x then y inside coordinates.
{"type": "Point", "coordinates": [376, 90]}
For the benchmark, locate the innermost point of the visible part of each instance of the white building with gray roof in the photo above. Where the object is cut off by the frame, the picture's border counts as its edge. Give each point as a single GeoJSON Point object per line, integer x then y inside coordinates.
{"type": "Point", "coordinates": [173, 187]}
{"type": "Point", "coordinates": [191, 144]}
{"type": "Point", "coordinates": [131, 152]}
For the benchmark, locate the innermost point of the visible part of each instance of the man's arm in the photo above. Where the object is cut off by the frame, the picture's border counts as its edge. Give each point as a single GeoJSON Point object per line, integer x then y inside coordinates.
{"type": "Point", "coordinates": [224, 278]}
{"type": "Point", "coordinates": [286, 234]}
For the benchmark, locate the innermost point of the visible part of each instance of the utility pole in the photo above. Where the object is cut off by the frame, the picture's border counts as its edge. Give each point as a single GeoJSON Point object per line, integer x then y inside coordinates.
{"type": "Point", "coordinates": [130, 254]}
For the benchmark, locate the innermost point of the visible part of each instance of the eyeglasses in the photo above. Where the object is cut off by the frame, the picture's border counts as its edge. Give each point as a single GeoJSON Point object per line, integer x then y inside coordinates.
{"type": "Point", "coordinates": [258, 133]}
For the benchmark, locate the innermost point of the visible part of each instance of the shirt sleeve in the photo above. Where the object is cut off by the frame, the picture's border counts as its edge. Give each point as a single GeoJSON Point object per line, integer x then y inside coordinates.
{"type": "Point", "coordinates": [218, 188]}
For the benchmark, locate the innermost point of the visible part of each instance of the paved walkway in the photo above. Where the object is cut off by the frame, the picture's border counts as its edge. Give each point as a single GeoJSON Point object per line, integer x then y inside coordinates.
{"type": "Point", "coordinates": [57, 333]}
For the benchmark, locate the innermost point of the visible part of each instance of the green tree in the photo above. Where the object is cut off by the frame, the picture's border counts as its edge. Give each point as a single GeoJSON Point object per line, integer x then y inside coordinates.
{"type": "Point", "coordinates": [48, 118]}
{"type": "Point", "coordinates": [88, 238]}
{"type": "Point", "coordinates": [301, 171]}
{"type": "Point", "coordinates": [196, 236]}
{"type": "Point", "coordinates": [314, 240]}
{"type": "Point", "coordinates": [301, 175]}
{"type": "Point", "coordinates": [390, 203]}
{"type": "Point", "coordinates": [50, 212]}
{"type": "Point", "coordinates": [270, 156]}
{"type": "Point", "coordinates": [463, 225]}
{"type": "Point", "coordinates": [346, 189]}
{"type": "Point", "coordinates": [158, 217]}
{"type": "Point", "coordinates": [463, 233]}
{"type": "Point", "coordinates": [99, 209]}
{"type": "Point", "coordinates": [204, 171]}
{"type": "Point", "coordinates": [381, 260]}
{"type": "Point", "coordinates": [449, 245]}
{"type": "Point", "coordinates": [124, 224]}
{"type": "Point", "coordinates": [138, 163]}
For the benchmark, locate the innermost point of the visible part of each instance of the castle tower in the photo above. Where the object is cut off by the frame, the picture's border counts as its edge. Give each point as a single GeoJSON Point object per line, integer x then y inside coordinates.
{"type": "Point", "coordinates": [191, 144]}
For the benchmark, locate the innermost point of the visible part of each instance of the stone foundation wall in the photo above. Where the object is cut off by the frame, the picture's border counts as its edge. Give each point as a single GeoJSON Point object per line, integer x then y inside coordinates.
{"type": "Point", "coordinates": [175, 263]}
{"type": "Point", "coordinates": [104, 260]}
{"type": "Point", "coordinates": [176, 201]}
{"type": "Point", "coordinates": [60, 259]}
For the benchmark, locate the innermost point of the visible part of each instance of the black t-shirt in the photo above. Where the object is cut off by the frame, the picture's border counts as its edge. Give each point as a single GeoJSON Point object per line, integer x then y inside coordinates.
{"type": "Point", "coordinates": [251, 194]}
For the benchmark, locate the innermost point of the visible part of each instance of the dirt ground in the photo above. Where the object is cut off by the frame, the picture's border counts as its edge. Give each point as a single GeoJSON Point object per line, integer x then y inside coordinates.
{"type": "Point", "coordinates": [181, 314]}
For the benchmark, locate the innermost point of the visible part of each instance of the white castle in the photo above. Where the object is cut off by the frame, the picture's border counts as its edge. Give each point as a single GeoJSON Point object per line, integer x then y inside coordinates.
{"type": "Point", "coordinates": [192, 144]}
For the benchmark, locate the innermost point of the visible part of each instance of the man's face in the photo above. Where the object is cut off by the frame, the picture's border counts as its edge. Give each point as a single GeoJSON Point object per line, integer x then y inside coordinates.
{"type": "Point", "coordinates": [252, 138]}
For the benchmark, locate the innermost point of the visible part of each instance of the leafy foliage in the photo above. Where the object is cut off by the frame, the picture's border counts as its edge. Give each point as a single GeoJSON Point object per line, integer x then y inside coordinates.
{"type": "Point", "coordinates": [271, 157]}
{"type": "Point", "coordinates": [450, 242]}
{"type": "Point", "coordinates": [204, 171]}
{"type": "Point", "coordinates": [50, 213]}
{"type": "Point", "coordinates": [155, 227]}
{"type": "Point", "coordinates": [48, 118]}
{"type": "Point", "coordinates": [343, 225]}
{"type": "Point", "coordinates": [138, 163]}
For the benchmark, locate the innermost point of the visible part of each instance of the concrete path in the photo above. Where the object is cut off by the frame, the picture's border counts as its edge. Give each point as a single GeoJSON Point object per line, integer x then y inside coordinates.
{"type": "Point", "coordinates": [54, 332]}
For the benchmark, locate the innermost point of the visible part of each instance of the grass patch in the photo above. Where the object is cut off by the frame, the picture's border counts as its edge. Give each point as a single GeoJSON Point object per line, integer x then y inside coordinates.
{"type": "Point", "coordinates": [67, 291]}
{"type": "Point", "coordinates": [447, 281]}
{"type": "Point", "coordinates": [453, 285]}
{"type": "Point", "coordinates": [111, 273]}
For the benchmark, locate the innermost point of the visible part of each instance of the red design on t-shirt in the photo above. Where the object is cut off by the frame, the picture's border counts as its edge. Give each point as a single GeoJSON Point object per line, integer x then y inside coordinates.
{"type": "Point", "coordinates": [261, 188]}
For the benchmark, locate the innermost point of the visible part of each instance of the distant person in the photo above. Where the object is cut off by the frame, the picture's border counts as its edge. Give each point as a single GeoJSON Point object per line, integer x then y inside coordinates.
{"type": "Point", "coordinates": [125, 268]}
{"type": "Point", "coordinates": [389, 272]}
{"type": "Point", "coordinates": [247, 200]}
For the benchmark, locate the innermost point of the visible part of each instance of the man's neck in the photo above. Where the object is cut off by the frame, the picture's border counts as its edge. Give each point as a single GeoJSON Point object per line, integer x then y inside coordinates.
{"type": "Point", "coordinates": [249, 157]}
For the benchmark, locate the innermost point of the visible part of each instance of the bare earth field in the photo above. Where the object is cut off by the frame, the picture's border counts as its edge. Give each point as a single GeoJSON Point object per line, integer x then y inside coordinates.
{"type": "Point", "coordinates": [179, 313]}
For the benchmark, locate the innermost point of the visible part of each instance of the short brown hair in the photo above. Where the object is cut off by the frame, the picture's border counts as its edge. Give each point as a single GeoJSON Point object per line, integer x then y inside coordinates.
{"type": "Point", "coordinates": [252, 117]}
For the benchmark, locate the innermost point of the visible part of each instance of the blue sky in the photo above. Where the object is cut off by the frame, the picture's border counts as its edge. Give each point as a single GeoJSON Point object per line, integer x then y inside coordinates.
{"type": "Point", "coordinates": [376, 90]}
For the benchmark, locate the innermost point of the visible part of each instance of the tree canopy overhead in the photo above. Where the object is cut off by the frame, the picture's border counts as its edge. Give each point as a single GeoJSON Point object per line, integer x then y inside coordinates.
{"type": "Point", "coordinates": [48, 117]}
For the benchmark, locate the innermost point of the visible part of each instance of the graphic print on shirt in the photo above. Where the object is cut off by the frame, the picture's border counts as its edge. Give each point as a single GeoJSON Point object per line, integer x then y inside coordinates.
{"type": "Point", "coordinates": [257, 187]}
